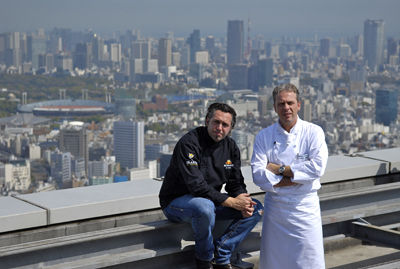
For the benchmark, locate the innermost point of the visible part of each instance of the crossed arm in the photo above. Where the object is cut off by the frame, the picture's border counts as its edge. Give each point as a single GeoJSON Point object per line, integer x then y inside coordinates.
{"type": "Point", "coordinates": [287, 174]}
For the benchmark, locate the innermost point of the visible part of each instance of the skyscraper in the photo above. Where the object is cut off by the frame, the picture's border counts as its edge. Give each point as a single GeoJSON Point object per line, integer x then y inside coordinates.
{"type": "Point", "coordinates": [82, 55]}
{"type": "Point", "coordinates": [373, 43]}
{"type": "Point", "coordinates": [164, 52]}
{"type": "Point", "coordinates": [235, 46]}
{"type": "Point", "coordinates": [392, 48]}
{"type": "Point", "coordinates": [141, 49]}
{"type": "Point", "coordinates": [265, 72]}
{"type": "Point", "coordinates": [194, 43]}
{"type": "Point", "coordinates": [386, 106]}
{"type": "Point", "coordinates": [129, 143]}
{"type": "Point", "coordinates": [238, 76]}
{"type": "Point", "coordinates": [324, 47]}
{"type": "Point", "coordinates": [73, 139]}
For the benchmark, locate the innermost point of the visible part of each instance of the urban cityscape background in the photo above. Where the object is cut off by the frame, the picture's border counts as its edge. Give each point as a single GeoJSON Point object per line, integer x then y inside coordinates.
{"type": "Point", "coordinates": [83, 107]}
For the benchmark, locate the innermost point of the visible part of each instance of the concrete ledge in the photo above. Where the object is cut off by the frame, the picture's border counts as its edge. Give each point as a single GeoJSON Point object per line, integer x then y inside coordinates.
{"type": "Point", "coordinates": [16, 214]}
{"type": "Point", "coordinates": [390, 155]}
{"type": "Point", "coordinates": [97, 201]}
{"type": "Point", "coordinates": [341, 168]}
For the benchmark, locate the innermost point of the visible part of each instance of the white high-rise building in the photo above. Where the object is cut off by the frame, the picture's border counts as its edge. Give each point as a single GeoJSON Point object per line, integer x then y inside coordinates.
{"type": "Point", "coordinates": [115, 52]}
{"type": "Point", "coordinates": [129, 143]}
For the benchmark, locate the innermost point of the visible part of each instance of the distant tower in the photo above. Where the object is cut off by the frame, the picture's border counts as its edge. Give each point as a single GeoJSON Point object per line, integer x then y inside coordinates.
{"type": "Point", "coordinates": [63, 94]}
{"type": "Point", "coordinates": [115, 52]}
{"type": "Point", "coordinates": [141, 49]}
{"type": "Point", "coordinates": [24, 98]}
{"type": "Point", "coordinates": [81, 56]}
{"type": "Point", "coordinates": [248, 47]}
{"type": "Point", "coordinates": [85, 94]}
{"type": "Point", "coordinates": [235, 46]}
{"type": "Point", "coordinates": [392, 48]}
{"type": "Point", "coordinates": [129, 143]}
{"type": "Point", "coordinates": [194, 43]}
{"type": "Point", "coordinates": [373, 43]}
{"type": "Point", "coordinates": [386, 106]}
{"type": "Point", "coordinates": [73, 139]}
{"type": "Point", "coordinates": [210, 45]}
{"type": "Point", "coordinates": [265, 72]}
{"type": "Point", "coordinates": [164, 52]}
{"type": "Point", "coordinates": [324, 47]}
{"type": "Point", "coordinates": [306, 110]}
{"type": "Point", "coordinates": [108, 97]}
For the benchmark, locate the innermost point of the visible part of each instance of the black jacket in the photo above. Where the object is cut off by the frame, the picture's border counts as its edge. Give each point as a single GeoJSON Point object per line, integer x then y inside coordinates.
{"type": "Point", "coordinates": [200, 166]}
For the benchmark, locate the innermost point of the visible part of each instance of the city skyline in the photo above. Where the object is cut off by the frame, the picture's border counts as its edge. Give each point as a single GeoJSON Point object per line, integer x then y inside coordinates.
{"type": "Point", "coordinates": [156, 17]}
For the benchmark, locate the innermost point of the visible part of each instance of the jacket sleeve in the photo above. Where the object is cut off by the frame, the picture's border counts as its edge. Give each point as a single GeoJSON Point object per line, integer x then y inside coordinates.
{"type": "Point", "coordinates": [235, 184]}
{"type": "Point", "coordinates": [262, 177]}
{"type": "Point", "coordinates": [313, 167]}
{"type": "Point", "coordinates": [188, 163]}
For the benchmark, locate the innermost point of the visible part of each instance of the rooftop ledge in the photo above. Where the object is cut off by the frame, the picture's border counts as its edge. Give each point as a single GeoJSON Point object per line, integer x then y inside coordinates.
{"type": "Point", "coordinates": [61, 206]}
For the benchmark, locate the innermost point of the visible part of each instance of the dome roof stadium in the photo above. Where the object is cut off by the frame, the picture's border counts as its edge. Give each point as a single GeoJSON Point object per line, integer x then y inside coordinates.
{"type": "Point", "coordinates": [68, 107]}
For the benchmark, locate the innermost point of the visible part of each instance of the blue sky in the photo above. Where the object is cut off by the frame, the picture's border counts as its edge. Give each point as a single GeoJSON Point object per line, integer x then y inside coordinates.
{"type": "Point", "coordinates": [273, 18]}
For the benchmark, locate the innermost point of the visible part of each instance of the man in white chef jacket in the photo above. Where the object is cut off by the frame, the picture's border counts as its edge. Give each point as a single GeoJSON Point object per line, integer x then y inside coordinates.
{"type": "Point", "coordinates": [288, 160]}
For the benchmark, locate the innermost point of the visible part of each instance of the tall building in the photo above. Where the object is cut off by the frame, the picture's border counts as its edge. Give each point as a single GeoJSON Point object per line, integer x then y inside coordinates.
{"type": "Point", "coordinates": [392, 48]}
{"type": "Point", "coordinates": [194, 43]}
{"type": "Point", "coordinates": [210, 45]}
{"type": "Point", "coordinates": [164, 52]}
{"type": "Point", "coordinates": [60, 168]}
{"type": "Point", "coordinates": [154, 151]}
{"type": "Point", "coordinates": [306, 110]}
{"type": "Point", "coordinates": [82, 55]}
{"type": "Point", "coordinates": [386, 106]}
{"type": "Point", "coordinates": [98, 50]}
{"type": "Point", "coordinates": [73, 139]}
{"type": "Point", "coordinates": [18, 175]}
{"type": "Point", "coordinates": [324, 47]}
{"type": "Point", "coordinates": [235, 46]}
{"type": "Point", "coordinates": [373, 43]}
{"type": "Point", "coordinates": [115, 52]}
{"type": "Point", "coordinates": [38, 47]}
{"type": "Point", "coordinates": [129, 143]}
{"type": "Point", "coordinates": [141, 49]}
{"type": "Point", "coordinates": [238, 76]}
{"type": "Point", "coordinates": [265, 72]}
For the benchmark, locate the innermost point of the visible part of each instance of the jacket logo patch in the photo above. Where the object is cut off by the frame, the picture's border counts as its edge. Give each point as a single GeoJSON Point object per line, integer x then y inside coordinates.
{"type": "Point", "coordinates": [228, 164]}
{"type": "Point", "coordinates": [191, 162]}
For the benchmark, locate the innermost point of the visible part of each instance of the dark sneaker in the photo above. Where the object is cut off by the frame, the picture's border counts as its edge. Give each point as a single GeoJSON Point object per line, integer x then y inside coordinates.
{"type": "Point", "coordinates": [223, 266]}
{"type": "Point", "coordinates": [203, 264]}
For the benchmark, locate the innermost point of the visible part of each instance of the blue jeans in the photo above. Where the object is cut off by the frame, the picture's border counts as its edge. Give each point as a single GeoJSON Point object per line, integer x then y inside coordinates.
{"type": "Point", "coordinates": [202, 214]}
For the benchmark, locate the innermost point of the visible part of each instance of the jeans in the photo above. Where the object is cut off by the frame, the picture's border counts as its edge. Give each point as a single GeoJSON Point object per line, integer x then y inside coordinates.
{"type": "Point", "coordinates": [202, 214]}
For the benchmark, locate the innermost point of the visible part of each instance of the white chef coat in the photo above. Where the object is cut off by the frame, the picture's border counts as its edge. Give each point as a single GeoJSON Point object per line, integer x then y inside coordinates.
{"type": "Point", "coordinates": [292, 229]}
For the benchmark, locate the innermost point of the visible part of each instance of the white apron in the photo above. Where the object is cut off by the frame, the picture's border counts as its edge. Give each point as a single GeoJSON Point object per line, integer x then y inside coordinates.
{"type": "Point", "coordinates": [292, 232]}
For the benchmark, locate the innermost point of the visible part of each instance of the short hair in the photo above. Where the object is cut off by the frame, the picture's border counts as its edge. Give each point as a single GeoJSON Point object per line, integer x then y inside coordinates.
{"type": "Point", "coordinates": [222, 107]}
{"type": "Point", "coordinates": [286, 87]}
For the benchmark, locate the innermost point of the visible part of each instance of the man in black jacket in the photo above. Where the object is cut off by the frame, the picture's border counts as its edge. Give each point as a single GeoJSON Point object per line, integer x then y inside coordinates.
{"type": "Point", "coordinates": [203, 161]}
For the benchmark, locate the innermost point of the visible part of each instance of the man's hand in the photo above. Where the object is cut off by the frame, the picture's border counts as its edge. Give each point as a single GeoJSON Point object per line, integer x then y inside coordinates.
{"type": "Point", "coordinates": [285, 182]}
{"type": "Point", "coordinates": [242, 203]}
{"type": "Point", "coordinates": [273, 167]}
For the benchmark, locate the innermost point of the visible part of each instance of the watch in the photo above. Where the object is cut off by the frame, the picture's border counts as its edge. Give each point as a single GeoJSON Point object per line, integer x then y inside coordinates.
{"type": "Point", "coordinates": [281, 169]}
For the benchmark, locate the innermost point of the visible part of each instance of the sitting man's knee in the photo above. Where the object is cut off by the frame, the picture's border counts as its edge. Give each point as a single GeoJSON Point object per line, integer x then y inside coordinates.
{"type": "Point", "coordinates": [205, 208]}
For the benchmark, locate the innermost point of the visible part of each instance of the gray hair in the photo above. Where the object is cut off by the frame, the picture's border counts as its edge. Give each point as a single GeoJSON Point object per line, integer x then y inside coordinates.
{"type": "Point", "coordinates": [286, 87]}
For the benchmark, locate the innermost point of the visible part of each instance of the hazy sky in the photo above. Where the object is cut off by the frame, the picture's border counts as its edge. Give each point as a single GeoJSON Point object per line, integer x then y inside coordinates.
{"type": "Point", "coordinates": [273, 18]}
